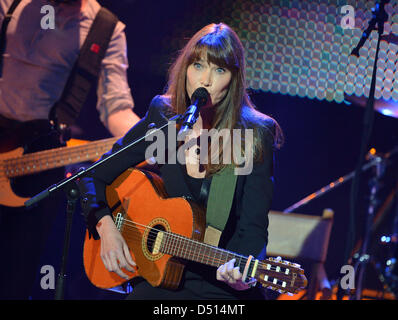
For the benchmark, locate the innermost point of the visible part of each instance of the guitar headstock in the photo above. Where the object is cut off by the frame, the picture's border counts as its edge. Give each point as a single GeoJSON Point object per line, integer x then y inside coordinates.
{"type": "Point", "coordinates": [281, 275]}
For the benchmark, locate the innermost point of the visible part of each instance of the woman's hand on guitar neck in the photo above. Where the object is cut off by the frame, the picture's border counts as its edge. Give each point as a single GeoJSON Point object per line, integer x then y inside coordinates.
{"type": "Point", "coordinates": [231, 275]}
{"type": "Point", "coordinates": [115, 253]}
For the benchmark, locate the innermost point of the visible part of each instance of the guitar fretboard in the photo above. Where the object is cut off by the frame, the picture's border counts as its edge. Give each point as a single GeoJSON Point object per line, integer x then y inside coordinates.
{"type": "Point", "coordinates": [192, 250]}
{"type": "Point", "coordinates": [55, 158]}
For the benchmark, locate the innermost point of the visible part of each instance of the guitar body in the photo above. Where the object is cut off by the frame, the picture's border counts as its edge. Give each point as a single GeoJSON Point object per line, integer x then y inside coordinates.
{"type": "Point", "coordinates": [7, 194]}
{"type": "Point", "coordinates": [139, 199]}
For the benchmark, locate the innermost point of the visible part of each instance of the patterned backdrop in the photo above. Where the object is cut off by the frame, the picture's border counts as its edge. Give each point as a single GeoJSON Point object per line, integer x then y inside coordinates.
{"type": "Point", "coordinates": [299, 47]}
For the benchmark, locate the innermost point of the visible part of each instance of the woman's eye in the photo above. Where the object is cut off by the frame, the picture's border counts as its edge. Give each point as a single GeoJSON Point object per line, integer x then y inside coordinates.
{"type": "Point", "coordinates": [220, 70]}
{"type": "Point", "coordinates": [197, 65]}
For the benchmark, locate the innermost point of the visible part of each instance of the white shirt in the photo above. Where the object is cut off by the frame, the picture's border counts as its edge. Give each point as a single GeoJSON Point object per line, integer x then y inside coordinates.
{"type": "Point", "coordinates": [37, 61]}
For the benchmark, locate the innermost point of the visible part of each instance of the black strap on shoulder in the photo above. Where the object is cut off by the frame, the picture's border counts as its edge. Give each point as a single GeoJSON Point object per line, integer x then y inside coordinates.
{"type": "Point", "coordinates": [86, 69]}
{"type": "Point", "coordinates": [3, 32]}
{"type": "Point", "coordinates": [204, 191]}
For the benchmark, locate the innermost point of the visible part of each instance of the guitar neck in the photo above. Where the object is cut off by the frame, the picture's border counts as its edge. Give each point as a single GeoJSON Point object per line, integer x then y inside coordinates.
{"type": "Point", "coordinates": [196, 251]}
{"type": "Point", "coordinates": [55, 158]}
{"type": "Point", "coordinates": [282, 276]}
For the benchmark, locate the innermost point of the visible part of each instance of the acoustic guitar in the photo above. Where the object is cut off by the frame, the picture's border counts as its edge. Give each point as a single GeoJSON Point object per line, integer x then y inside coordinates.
{"type": "Point", "coordinates": [164, 232]}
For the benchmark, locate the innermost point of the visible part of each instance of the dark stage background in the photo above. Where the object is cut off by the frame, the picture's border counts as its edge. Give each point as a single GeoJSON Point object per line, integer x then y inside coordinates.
{"type": "Point", "coordinates": [322, 129]}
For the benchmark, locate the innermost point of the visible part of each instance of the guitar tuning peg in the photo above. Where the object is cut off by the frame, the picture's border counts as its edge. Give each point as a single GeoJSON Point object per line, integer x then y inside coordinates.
{"type": "Point", "coordinates": [292, 264]}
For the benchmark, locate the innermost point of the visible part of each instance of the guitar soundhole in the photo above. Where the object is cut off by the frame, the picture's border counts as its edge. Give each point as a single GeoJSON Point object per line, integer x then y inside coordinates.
{"type": "Point", "coordinates": [150, 241]}
{"type": "Point", "coordinates": [149, 237]}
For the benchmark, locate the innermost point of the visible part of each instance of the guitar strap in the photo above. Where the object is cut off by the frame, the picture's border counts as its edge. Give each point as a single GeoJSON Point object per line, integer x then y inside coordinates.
{"type": "Point", "coordinates": [85, 71]}
{"type": "Point", "coordinates": [3, 31]}
{"type": "Point", "coordinates": [221, 196]}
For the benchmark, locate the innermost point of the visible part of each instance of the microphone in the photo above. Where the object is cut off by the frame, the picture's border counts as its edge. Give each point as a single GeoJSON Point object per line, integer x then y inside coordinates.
{"type": "Point", "coordinates": [199, 99]}
{"type": "Point", "coordinates": [379, 17]}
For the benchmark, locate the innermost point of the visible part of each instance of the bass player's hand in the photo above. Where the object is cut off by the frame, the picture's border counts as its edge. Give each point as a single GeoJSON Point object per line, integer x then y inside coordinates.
{"type": "Point", "coordinates": [115, 253]}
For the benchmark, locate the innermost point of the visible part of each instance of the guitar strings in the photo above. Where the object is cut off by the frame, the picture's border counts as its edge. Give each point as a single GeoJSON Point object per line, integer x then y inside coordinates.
{"type": "Point", "coordinates": [271, 271]}
{"type": "Point", "coordinates": [31, 159]}
{"type": "Point", "coordinates": [172, 245]}
{"type": "Point", "coordinates": [278, 276]}
{"type": "Point", "coordinates": [40, 155]}
{"type": "Point", "coordinates": [70, 151]}
{"type": "Point", "coordinates": [153, 233]}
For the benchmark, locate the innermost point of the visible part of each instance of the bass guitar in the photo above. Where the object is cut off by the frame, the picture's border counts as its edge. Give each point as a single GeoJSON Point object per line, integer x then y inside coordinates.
{"type": "Point", "coordinates": [164, 232]}
{"type": "Point", "coordinates": [15, 164]}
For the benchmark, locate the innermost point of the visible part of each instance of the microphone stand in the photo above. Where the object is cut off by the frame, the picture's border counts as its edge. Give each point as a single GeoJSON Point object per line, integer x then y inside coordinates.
{"type": "Point", "coordinates": [379, 18]}
{"type": "Point", "coordinates": [336, 183]}
{"type": "Point", "coordinates": [362, 257]}
{"type": "Point", "coordinates": [69, 186]}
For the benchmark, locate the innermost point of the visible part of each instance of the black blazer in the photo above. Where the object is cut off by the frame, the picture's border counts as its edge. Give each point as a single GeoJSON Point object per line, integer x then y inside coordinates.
{"type": "Point", "coordinates": [246, 229]}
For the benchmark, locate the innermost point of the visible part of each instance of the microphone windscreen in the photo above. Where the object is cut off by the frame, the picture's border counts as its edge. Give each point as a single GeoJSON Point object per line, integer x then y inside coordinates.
{"type": "Point", "coordinates": [201, 95]}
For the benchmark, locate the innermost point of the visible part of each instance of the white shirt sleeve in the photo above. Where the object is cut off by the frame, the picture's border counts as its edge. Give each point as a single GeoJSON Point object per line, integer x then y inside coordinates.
{"type": "Point", "coordinates": [113, 92]}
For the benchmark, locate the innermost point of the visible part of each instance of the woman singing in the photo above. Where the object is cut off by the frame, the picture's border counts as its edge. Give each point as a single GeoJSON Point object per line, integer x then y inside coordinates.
{"type": "Point", "coordinates": [212, 59]}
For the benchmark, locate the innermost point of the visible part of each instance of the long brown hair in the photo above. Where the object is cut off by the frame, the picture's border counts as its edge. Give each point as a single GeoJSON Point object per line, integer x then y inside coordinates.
{"type": "Point", "coordinates": [222, 47]}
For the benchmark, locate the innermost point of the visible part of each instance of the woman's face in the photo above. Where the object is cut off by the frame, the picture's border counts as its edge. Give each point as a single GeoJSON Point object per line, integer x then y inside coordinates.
{"type": "Point", "coordinates": [215, 79]}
